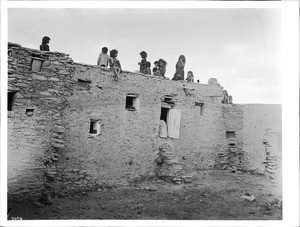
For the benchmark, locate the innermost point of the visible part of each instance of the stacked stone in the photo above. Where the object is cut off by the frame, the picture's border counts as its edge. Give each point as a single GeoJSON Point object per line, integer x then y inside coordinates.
{"type": "Point", "coordinates": [231, 159]}
{"type": "Point", "coordinates": [271, 163]}
{"type": "Point", "coordinates": [51, 168]}
{"type": "Point", "coordinates": [169, 167]}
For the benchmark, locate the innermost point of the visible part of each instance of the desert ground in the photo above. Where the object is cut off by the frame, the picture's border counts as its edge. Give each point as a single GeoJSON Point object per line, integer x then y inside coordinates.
{"type": "Point", "coordinates": [213, 195]}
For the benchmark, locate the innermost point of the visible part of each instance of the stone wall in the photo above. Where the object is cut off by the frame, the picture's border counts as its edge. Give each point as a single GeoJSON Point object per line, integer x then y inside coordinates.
{"type": "Point", "coordinates": [51, 148]}
{"type": "Point", "coordinates": [72, 127]}
{"type": "Point", "coordinates": [262, 138]}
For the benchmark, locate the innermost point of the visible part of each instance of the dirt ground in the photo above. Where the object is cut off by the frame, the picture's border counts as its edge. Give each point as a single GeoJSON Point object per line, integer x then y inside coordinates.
{"type": "Point", "coordinates": [215, 195]}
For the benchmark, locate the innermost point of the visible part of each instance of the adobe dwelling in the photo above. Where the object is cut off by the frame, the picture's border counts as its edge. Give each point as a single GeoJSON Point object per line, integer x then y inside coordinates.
{"type": "Point", "coordinates": [72, 127]}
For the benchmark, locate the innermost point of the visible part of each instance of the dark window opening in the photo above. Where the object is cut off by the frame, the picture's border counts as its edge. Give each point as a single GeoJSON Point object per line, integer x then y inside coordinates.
{"type": "Point", "coordinates": [164, 114]}
{"type": "Point", "coordinates": [200, 106]}
{"type": "Point", "coordinates": [93, 127]}
{"type": "Point", "coordinates": [10, 101]}
{"type": "Point", "coordinates": [168, 100]}
{"type": "Point", "coordinates": [83, 83]}
{"type": "Point", "coordinates": [29, 112]}
{"type": "Point", "coordinates": [131, 102]}
{"type": "Point", "coordinates": [230, 134]}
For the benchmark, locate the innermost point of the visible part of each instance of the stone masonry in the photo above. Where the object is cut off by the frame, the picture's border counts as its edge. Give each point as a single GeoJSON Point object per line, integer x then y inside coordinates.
{"type": "Point", "coordinates": [73, 128]}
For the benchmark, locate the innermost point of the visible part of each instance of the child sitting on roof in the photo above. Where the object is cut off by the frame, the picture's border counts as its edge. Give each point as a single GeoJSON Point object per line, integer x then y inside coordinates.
{"type": "Point", "coordinates": [114, 63]}
{"type": "Point", "coordinates": [148, 69]}
{"type": "Point", "coordinates": [190, 77]}
{"type": "Point", "coordinates": [162, 67]}
{"type": "Point", "coordinates": [44, 46]}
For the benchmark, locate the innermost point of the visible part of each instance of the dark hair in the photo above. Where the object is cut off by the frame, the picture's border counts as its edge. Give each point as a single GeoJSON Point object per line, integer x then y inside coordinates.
{"type": "Point", "coordinates": [148, 64]}
{"type": "Point", "coordinates": [45, 39]}
{"type": "Point", "coordinates": [104, 50]}
{"type": "Point", "coordinates": [163, 61]}
{"type": "Point", "coordinates": [183, 58]}
{"type": "Point", "coordinates": [155, 69]}
{"type": "Point", "coordinates": [113, 53]}
{"type": "Point", "coordinates": [143, 54]}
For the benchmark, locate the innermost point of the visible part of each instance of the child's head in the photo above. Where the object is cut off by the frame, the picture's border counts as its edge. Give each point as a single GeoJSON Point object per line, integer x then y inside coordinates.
{"type": "Point", "coordinates": [155, 70]}
{"type": "Point", "coordinates": [190, 73]}
{"type": "Point", "coordinates": [113, 53]}
{"type": "Point", "coordinates": [182, 58]}
{"type": "Point", "coordinates": [162, 62]}
{"type": "Point", "coordinates": [148, 64]}
{"type": "Point", "coordinates": [156, 63]}
{"type": "Point", "coordinates": [143, 54]}
{"type": "Point", "coordinates": [104, 50]}
{"type": "Point", "coordinates": [46, 39]}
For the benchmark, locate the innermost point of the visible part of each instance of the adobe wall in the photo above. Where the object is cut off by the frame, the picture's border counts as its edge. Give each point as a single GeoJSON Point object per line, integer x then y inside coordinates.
{"type": "Point", "coordinates": [51, 150]}
{"type": "Point", "coordinates": [262, 138]}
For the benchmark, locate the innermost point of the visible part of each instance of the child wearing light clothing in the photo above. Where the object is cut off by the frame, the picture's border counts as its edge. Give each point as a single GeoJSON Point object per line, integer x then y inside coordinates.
{"type": "Point", "coordinates": [103, 58]}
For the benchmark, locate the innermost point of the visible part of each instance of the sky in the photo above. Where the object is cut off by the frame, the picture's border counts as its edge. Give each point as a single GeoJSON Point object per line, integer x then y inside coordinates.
{"type": "Point", "coordinates": [239, 47]}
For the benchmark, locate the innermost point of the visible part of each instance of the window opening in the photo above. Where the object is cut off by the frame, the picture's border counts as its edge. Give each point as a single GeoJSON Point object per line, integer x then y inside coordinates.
{"type": "Point", "coordinates": [36, 64]}
{"type": "Point", "coordinates": [199, 106]}
{"type": "Point", "coordinates": [132, 102]}
{"type": "Point", "coordinates": [10, 101]}
{"type": "Point", "coordinates": [168, 100]}
{"type": "Point", "coordinates": [94, 127]}
{"type": "Point", "coordinates": [29, 112]}
{"type": "Point", "coordinates": [230, 134]}
{"type": "Point", "coordinates": [83, 83]}
{"type": "Point", "coordinates": [164, 114]}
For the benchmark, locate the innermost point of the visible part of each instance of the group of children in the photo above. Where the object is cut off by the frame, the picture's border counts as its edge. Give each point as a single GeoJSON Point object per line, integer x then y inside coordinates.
{"type": "Point", "coordinates": [103, 60]}
{"type": "Point", "coordinates": [145, 66]}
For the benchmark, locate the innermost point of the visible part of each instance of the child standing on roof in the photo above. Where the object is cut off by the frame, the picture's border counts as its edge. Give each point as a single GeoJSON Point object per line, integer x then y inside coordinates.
{"type": "Point", "coordinates": [179, 73]}
{"type": "Point", "coordinates": [103, 58]}
{"type": "Point", "coordinates": [143, 62]}
{"type": "Point", "coordinates": [114, 63]}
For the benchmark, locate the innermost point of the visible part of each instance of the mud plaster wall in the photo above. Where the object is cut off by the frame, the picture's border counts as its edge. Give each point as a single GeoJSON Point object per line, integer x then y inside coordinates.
{"type": "Point", "coordinates": [262, 136]}
{"type": "Point", "coordinates": [127, 145]}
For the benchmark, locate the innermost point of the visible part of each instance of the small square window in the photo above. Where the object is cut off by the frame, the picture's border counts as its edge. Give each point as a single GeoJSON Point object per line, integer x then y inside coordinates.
{"type": "Point", "coordinates": [36, 65]}
{"type": "Point", "coordinates": [29, 112]}
{"type": "Point", "coordinates": [94, 127]}
{"type": "Point", "coordinates": [132, 102]}
{"type": "Point", "coordinates": [84, 83]}
{"type": "Point", "coordinates": [230, 134]}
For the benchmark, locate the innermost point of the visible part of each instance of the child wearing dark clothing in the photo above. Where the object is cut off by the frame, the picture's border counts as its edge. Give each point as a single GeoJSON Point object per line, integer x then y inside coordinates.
{"type": "Point", "coordinates": [44, 46]}
{"type": "Point", "coordinates": [103, 58]}
{"type": "Point", "coordinates": [162, 67]}
{"type": "Point", "coordinates": [155, 69]}
{"type": "Point", "coordinates": [114, 63]}
{"type": "Point", "coordinates": [179, 73]}
{"type": "Point", "coordinates": [148, 69]}
{"type": "Point", "coordinates": [143, 62]}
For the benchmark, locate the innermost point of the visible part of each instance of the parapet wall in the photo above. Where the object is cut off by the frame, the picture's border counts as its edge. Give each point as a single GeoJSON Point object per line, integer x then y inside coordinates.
{"type": "Point", "coordinates": [72, 127]}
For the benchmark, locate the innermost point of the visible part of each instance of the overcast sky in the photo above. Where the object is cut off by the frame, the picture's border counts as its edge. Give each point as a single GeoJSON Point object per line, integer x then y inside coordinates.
{"type": "Point", "coordinates": [239, 47]}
